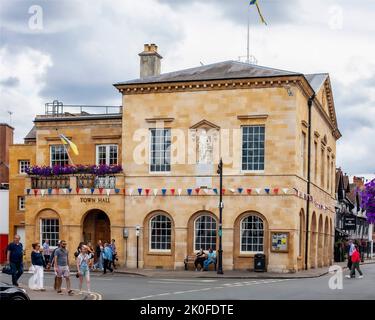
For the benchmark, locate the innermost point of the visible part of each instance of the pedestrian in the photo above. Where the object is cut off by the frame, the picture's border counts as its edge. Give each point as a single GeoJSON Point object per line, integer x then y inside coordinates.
{"type": "Point", "coordinates": [199, 260]}
{"type": "Point", "coordinates": [52, 262]}
{"type": "Point", "coordinates": [38, 264]}
{"type": "Point", "coordinates": [46, 253]}
{"type": "Point", "coordinates": [99, 257]}
{"type": "Point", "coordinates": [79, 248]}
{"type": "Point", "coordinates": [211, 258]}
{"type": "Point", "coordinates": [114, 253]}
{"type": "Point", "coordinates": [61, 265]}
{"type": "Point", "coordinates": [91, 253]}
{"type": "Point", "coordinates": [350, 252]}
{"type": "Point", "coordinates": [15, 259]}
{"type": "Point", "coordinates": [107, 258]}
{"type": "Point", "coordinates": [83, 268]}
{"type": "Point", "coordinates": [356, 259]}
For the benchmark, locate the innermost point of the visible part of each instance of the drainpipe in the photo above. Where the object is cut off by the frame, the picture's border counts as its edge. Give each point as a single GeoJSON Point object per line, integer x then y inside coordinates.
{"type": "Point", "coordinates": [309, 104]}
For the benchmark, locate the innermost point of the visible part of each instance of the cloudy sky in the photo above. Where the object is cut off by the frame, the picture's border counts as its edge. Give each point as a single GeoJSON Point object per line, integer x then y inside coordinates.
{"type": "Point", "coordinates": [74, 50]}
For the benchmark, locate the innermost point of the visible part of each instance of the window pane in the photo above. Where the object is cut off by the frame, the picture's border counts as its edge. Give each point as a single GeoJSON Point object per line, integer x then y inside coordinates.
{"type": "Point", "coordinates": [253, 148]}
{"type": "Point", "coordinates": [160, 233]}
{"type": "Point", "coordinates": [252, 234]}
{"type": "Point", "coordinates": [160, 150]}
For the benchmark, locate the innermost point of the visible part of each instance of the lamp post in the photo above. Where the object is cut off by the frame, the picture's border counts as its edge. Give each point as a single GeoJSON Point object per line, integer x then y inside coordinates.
{"type": "Point", "coordinates": [221, 206]}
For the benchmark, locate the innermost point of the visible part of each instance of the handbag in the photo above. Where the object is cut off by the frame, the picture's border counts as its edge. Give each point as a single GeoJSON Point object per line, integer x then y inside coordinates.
{"type": "Point", "coordinates": [7, 269]}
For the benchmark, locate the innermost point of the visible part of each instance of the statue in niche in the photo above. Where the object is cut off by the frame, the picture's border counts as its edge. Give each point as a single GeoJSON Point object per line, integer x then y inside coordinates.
{"type": "Point", "coordinates": [205, 147]}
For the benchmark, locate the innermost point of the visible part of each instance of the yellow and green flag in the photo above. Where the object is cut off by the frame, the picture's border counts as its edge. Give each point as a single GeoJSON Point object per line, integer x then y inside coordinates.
{"type": "Point", "coordinates": [252, 2]}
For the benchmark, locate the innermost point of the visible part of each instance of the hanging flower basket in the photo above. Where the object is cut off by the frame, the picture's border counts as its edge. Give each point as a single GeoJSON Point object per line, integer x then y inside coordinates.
{"type": "Point", "coordinates": [47, 171]}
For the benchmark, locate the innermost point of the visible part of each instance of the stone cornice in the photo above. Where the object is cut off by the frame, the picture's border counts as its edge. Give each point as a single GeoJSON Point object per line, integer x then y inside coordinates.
{"type": "Point", "coordinates": [131, 89]}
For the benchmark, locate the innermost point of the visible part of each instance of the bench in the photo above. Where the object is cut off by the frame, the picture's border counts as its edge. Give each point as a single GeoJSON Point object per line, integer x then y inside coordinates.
{"type": "Point", "coordinates": [189, 262]}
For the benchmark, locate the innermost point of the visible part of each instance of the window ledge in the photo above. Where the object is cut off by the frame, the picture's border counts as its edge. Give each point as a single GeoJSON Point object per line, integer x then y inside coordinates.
{"type": "Point", "coordinates": [159, 253]}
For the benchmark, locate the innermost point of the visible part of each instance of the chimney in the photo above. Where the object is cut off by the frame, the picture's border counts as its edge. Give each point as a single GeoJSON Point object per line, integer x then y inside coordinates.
{"type": "Point", "coordinates": [150, 61]}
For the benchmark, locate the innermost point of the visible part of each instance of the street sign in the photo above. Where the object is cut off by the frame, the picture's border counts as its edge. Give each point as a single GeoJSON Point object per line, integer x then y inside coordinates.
{"type": "Point", "coordinates": [350, 223]}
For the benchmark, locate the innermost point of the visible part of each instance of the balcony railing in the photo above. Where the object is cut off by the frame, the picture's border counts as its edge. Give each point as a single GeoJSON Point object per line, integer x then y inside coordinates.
{"type": "Point", "coordinates": [50, 182]}
{"type": "Point", "coordinates": [91, 181]}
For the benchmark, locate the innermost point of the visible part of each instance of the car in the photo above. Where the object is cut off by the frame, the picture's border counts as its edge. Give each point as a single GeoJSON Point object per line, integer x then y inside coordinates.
{"type": "Point", "coordinates": [10, 292]}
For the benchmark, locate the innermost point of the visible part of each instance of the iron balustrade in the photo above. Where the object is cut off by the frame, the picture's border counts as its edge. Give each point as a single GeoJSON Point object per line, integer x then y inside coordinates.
{"type": "Point", "coordinates": [50, 182]}
{"type": "Point", "coordinates": [92, 181]}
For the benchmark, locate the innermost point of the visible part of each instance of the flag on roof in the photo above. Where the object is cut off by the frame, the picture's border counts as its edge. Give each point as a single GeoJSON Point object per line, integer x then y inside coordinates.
{"type": "Point", "coordinates": [252, 2]}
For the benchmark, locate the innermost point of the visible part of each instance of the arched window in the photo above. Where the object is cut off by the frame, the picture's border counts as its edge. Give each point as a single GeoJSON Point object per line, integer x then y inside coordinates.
{"type": "Point", "coordinates": [205, 233]}
{"type": "Point", "coordinates": [160, 233]}
{"type": "Point", "coordinates": [252, 234]}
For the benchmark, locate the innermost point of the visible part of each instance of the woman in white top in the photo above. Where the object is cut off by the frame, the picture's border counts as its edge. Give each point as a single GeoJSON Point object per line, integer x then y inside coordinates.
{"type": "Point", "coordinates": [83, 261]}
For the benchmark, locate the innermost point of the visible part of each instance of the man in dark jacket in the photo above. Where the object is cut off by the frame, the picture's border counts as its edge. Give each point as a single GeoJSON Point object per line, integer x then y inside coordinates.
{"type": "Point", "coordinates": [15, 259]}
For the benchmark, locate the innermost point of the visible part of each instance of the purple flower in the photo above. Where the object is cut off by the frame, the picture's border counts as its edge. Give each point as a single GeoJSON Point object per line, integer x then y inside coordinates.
{"type": "Point", "coordinates": [368, 200]}
{"type": "Point", "coordinates": [58, 170]}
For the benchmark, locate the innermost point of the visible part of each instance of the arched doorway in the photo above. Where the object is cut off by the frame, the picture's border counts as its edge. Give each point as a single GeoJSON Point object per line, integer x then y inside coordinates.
{"type": "Point", "coordinates": [96, 226]}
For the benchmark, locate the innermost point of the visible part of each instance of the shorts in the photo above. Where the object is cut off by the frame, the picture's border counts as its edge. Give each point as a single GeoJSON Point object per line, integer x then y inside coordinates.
{"type": "Point", "coordinates": [63, 271]}
{"type": "Point", "coordinates": [84, 272]}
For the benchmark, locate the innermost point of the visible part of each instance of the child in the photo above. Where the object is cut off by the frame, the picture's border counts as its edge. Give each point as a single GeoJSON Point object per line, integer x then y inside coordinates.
{"type": "Point", "coordinates": [83, 261]}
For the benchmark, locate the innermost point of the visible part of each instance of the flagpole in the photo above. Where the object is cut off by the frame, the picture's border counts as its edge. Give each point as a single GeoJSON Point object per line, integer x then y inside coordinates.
{"type": "Point", "coordinates": [248, 35]}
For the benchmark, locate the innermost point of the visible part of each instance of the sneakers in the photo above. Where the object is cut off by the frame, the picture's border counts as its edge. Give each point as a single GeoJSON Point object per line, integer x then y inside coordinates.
{"type": "Point", "coordinates": [347, 276]}
{"type": "Point", "coordinates": [360, 277]}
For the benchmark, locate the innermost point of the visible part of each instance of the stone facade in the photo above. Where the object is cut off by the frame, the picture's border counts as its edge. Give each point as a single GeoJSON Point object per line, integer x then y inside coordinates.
{"type": "Point", "coordinates": [222, 107]}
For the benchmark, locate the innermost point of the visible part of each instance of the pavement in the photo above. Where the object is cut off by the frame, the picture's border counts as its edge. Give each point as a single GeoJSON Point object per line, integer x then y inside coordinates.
{"type": "Point", "coordinates": [232, 274]}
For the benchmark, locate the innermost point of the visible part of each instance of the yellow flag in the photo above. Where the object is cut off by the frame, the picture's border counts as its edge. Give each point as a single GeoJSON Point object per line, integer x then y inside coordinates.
{"type": "Point", "coordinates": [252, 2]}
{"type": "Point", "coordinates": [71, 144]}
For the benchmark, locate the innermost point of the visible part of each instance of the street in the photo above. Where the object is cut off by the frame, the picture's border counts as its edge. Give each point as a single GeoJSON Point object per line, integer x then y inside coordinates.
{"type": "Point", "coordinates": [131, 287]}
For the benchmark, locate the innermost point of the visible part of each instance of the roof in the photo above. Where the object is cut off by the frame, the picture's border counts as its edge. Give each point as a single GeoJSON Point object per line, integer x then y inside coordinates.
{"type": "Point", "coordinates": [70, 117]}
{"type": "Point", "coordinates": [228, 70]}
{"type": "Point", "coordinates": [31, 135]}
{"type": "Point", "coordinates": [316, 80]}
{"type": "Point", "coordinates": [216, 71]}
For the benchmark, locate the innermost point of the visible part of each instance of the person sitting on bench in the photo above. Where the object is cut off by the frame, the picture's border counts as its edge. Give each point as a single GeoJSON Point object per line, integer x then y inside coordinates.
{"type": "Point", "coordinates": [211, 258]}
{"type": "Point", "coordinates": [200, 258]}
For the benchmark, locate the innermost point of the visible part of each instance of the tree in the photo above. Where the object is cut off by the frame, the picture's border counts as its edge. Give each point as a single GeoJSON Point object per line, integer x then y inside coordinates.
{"type": "Point", "coordinates": [368, 200]}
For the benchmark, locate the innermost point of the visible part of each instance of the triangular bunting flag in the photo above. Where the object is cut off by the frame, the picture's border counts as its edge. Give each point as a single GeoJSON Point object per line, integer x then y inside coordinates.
{"type": "Point", "coordinates": [206, 191]}
{"type": "Point", "coordinates": [35, 192]}
{"type": "Point", "coordinates": [285, 190]}
{"type": "Point", "coordinates": [215, 190]}
{"type": "Point", "coordinates": [173, 191]}
{"type": "Point", "coordinates": [131, 191]}
{"type": "Point", "coordinates": [267, 190]}
{"type": "Point", "coordinates": [108, 192]}
{"type": "Point", "coordinates": [65, 190]}
{"type": "Point", "coordinates": [179, 191]}
{"type": "Point", "coordinates": [57, 190]}
{"type": "Point", "coordinates": [140, 191]}
{"type": "Point", "coordinates": [164, 191]}
{"type": "Point", "coordinates": [49, 191]}
{"type": "Point", "coordinates": [92, 190]}
{"type": "Point", "coordinates": [232, 190]}
{"type": "Point", "coordinates": [70, 190]}
{"type": "Point", "coordinates": [197, 190]}
{"type": "Point", "coordinates": [28, 191]}
{"type": "Point", "coordinates": [117, 191]}
{"type": "Point", "coordinates": [124, 191]}
{"type": "Point", "coordinates": [147, 191]}
{"type": "Point", "coordinates": [222, 191]}
{"type": "Point", "coordinates": [248, 191]}
{"type": "Point", "coordinates": [85, 190]}
{"type": "Point", "coordinates": [155, 192]}
{"type": "Point", "coordinates": [257, 190]}
{"type": "Point", "coordinates": [101, 190]}
{"type": "Point", "coordinates": [276, 190]}
{"type": "Point", "coordinates": [77, 190]}
{"type": "Point", "coordinates": [42, 192]}
{"type": "Point", "coordinates": [189, 191]}
{"type": "Point", "coordinates": [240, 190]}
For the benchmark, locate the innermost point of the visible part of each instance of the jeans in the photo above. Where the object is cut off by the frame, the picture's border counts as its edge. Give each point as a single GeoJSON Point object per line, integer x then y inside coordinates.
{"type": "Point", "coordinates": [107, 264]}
{"type": "Point", "coordinates": [17, 271]}
{"type": "Point", "coordinates": [207, 262]}
{"type": "Point", "coordinates": [99, 263]}
{"type": "Point", "coordinates": [355, 265]}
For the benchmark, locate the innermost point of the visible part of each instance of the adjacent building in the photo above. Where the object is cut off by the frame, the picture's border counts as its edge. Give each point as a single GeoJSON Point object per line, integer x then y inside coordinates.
{"type": "Point", "coordinates": [169, 136]}
{"type": "Point", "coordinates": [6, 139]}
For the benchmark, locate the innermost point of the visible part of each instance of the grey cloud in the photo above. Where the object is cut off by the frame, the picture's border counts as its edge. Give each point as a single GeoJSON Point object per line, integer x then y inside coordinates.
{"type": "Point", "coordinates": [274, 11]}
{"type": "Point", "coordinates": [10, 82]}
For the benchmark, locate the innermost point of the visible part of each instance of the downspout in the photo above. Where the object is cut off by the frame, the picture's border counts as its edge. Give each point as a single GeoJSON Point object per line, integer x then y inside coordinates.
{"type": "Point", "coordinates": [309, 103]}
